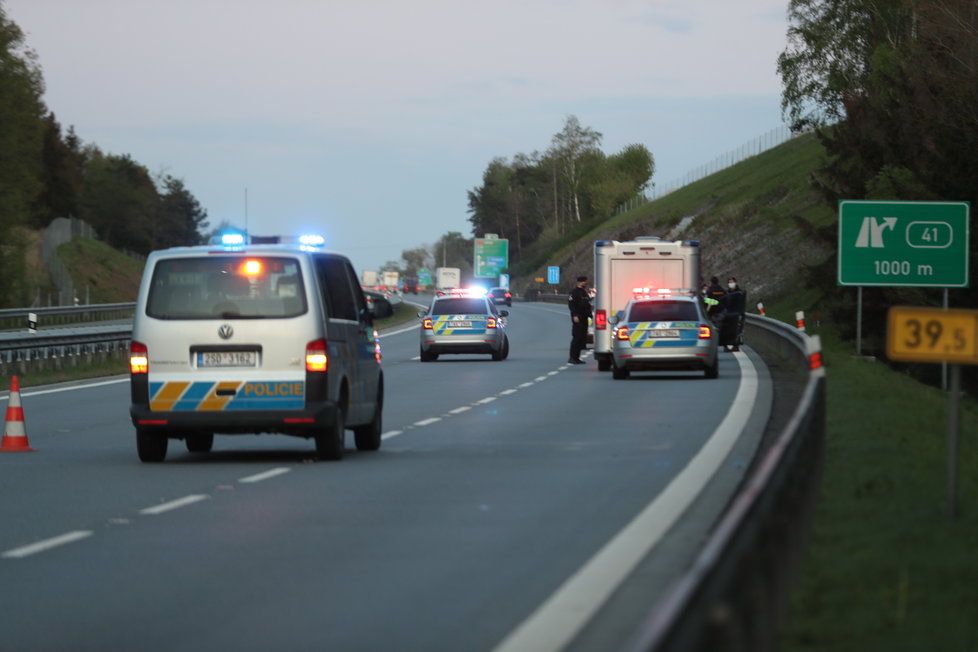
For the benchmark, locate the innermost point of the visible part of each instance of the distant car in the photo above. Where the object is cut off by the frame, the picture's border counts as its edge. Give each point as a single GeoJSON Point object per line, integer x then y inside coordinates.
{"type": "Point", "coordinates": [379, 303]}
{"type": "Point", "coordinates": [663, 331]}
{"type": "Point", "coordinates": [500, 295]}
{"type": "Point", "coordinates": [463, 322]}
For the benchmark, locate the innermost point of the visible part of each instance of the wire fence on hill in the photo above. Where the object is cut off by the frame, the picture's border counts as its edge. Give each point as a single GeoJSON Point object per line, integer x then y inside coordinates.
{"type": "Point", "coordinates": [753, 147]}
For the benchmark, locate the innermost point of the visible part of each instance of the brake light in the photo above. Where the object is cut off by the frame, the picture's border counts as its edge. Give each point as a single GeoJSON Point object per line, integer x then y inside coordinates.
{"type": "Point", "coordinates": [138, 358]}
{"type": "Point", "coordinates": [490, 322]}
{"type": "Point", "coordinates": [621, 333]}
{"type": "Point", "coordinates": [705, 332]}
{"type": "Point", "coordinates": [251, 267]}
{"type": "Point", "coordinates": [601, 320]}
{"type": "Point", "coordinates": [509, 296]}
{"type": "Point", "coordinates": [426, 323]}
{"type": "Point", "coordinates": [316, 357]}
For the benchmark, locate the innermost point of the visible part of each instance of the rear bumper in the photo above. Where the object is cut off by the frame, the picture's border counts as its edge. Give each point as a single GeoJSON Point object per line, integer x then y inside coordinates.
{"type": "Point", "coordinates": [695, 357]}
{"type": "Point", "coordinates": [302, 423]}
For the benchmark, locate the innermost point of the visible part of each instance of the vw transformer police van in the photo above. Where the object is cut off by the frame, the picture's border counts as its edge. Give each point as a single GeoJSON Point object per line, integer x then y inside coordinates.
{"type": "Point", "coordinates": [243, 338]}
{"type": "Point", "coordinates": [646, 262]}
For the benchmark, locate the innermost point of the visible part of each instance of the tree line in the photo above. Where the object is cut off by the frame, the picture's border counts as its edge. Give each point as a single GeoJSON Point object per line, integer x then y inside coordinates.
{"type": "Point", "coordinates": [47, 172]}
{"type": "Point", "coordinates": [891, 89]}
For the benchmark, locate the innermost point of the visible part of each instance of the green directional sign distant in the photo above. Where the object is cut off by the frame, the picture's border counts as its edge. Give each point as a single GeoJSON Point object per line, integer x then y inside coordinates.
{"type": "Point", "coordinates": [911, 244]}
{"type": "Point", "coordinates": [491, 256]}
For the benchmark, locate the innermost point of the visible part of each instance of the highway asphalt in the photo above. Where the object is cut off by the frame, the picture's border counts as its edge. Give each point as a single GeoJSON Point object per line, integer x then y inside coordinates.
{"type": "Point", "coordinates": [513, 505]}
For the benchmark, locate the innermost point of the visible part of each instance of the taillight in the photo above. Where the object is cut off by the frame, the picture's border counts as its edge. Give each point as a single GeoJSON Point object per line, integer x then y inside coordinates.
{"type": "Point", "coordinates": [509, 296]}
{"type": "Point", "coordinates": [601, 320]}
{"type": "Point", "coordinates": [138, 358]}
{"type": "Point", "coordinates": [621, 332]}
{"type": "Point", "coordinates": [490, 322]}
{"type": "Point", "coordinates": [316, 357]}
{"type": "Point", "coordinates": [705, 332]}
{"type": "Point", "coordinates": [377, 355]}
{"type": "Point", "coordinates": [426, 323]}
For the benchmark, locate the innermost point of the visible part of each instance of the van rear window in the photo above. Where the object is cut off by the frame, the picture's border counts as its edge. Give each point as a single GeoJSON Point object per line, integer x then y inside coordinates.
{"type": "Point", "coordinates": [459, 307]}
{"type": "Point", "coordinates": [664, 311]}
{"type": "Point", "coordinates": [226, 287]}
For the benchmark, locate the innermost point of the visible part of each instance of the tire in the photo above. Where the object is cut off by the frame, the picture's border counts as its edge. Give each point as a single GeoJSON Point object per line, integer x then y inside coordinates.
{"type": "Point", "coordinates": [428, 357]}
{"type": "Point", "coordinates": [713, 371]}
{"type": "Point", "coordinates": [331, 440]}
{"type": "Point", "coordinates": [367, 437]}
{"type": "Point", "coordinates": [497, 356]}
{"type": "Point", "coordinates": [201, 442]}
{"type": "Point", "coordinates": [619, 373]}
{"type": "Point", "coordinates": [604, 364]}
{"type": "Point", "coordinates": [151, 446]}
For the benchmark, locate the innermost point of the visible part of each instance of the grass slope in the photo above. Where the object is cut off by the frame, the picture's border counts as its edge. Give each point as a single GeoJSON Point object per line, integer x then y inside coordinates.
{"type": "Point", "coordinates": [109, 275]}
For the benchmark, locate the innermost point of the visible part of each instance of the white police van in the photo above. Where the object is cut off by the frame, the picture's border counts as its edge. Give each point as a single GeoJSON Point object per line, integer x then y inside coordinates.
{"type": "Point", "coordinates": [244, 338]}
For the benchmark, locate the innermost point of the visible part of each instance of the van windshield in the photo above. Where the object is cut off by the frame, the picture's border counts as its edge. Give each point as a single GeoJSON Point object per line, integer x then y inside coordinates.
{"type": "Point", "coordinates": [226, 287]}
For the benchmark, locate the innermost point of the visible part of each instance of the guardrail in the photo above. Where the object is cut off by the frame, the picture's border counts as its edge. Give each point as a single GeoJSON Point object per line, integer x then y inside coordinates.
{"type": "Point", "coordinates": [16, 318]}
{"type": "Point", "coordinates": [732, 596]}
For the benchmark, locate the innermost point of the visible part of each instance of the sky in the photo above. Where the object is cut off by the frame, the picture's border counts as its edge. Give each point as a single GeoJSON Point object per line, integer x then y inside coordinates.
{"type": "Point", "coordinates": [369, 120]}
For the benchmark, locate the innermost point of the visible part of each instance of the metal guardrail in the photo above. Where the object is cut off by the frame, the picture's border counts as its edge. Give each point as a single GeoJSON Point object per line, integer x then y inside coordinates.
{"type": "Point", "coordinates": [732, 596]}
{"type": "Point", "coordinates": [93, 308]}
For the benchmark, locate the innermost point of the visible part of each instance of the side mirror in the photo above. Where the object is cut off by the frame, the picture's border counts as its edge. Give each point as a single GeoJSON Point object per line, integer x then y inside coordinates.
{"type": "Point", "coordinates": [613, 320]}
{"type": "Point", "coordinates": [504, 313]}
{"type": "Point", "coordinates": [422, 313]}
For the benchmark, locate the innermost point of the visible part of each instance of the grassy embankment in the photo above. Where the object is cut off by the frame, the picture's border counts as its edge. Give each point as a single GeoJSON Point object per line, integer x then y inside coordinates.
{"type": "Point", "coordinates": [886, 568]}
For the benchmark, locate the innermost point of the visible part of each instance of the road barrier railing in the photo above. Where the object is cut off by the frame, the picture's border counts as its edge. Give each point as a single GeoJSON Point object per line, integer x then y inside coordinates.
{"type": "Point", "coordinates": [16, 318]}
{"type": "Point", "coordinates": [733, 595]}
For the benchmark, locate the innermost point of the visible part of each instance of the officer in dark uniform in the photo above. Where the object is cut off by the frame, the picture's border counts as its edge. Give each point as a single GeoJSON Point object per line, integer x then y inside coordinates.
{"type": "Point", "coordinates": [579, 303]}
{"type": "Point", "coordinates": [718, 295]}
{"type": "Point", "coordinates": [735, 308]}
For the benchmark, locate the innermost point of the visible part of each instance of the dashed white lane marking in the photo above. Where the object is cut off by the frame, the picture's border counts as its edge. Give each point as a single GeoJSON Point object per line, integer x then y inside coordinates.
{"type": "Point", "coordinates": [47, 544]}
{"type": "Point", "coordinates": [417, 357]}
{"type": "Point", "coordinates": [258, 477]}
{"type": "Point", "coordinates": [525, 385]}
{"type": "Point", "coordinates": [460, 410]}
{"type": "Point", "coordinates": [173, 504]}
{"type": "Point", "coordinates": [391, 433]}
{"type": "Point", "coordinates": [552, 373]}
{"type": "Point", "coordinates": [557, 621]}
{"type": "Point", "coordinates": [539, 378]}
{"type": "Point", "coordinates": [427, 422]}
{"type": "Point", "coordinates": [507, 392]}
{"type": "Point", "coordinates": [488, 399]}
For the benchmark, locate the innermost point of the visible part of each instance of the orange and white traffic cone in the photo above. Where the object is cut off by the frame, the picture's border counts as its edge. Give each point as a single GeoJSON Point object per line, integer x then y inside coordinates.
{"type": "Point", "coordinates": [760, 309]}
{"type": "Point", "coordinates": [14, 434]}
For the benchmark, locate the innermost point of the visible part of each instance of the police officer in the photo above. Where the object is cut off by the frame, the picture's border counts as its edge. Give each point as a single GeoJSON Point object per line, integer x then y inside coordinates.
{"type": "Point", "coordinates": [715, 292]}
{"type": "Point", "coordinates": [579, 302]}
{"type": "Point", "coordinates": [735, 306]}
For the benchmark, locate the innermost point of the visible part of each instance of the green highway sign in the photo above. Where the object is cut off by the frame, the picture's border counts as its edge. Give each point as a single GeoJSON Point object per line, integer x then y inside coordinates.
{"type": "Point", "coordinates": [903, 243]}
{"type": "Point", "coordinates": [491, 256]}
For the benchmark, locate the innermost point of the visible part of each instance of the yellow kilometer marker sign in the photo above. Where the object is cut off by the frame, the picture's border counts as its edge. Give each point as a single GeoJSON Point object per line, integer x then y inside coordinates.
{"type": "Point", "coordinates": [932, 335]}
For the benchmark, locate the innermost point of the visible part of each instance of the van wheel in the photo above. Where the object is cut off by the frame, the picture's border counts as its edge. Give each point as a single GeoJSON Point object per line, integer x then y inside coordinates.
{"type": "Point", "coordinates": [200, 443]}
{"type": "Point", "coordinates": [713, 371]}
{"type": "Point", "coordinates": [604, 364]}
{"type": "Point", "coordinates": [619, 373]}
{"type": "Point", "coordinates": [331, 439]}
{"type": "Point", "coordinates": [150, 446]}
{"type": "Point", "coordinates": [368, 437]}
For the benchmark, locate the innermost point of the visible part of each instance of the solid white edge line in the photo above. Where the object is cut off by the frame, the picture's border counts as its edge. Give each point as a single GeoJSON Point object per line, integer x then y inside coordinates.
{"type": "Point", "coordinates": [557, 621]}
{"type": "Point", "coordinates": [427, 422]}
{"type": "Point", "coordinates": [47, 544]}
{"type": "Point", "coordinates": [460, 410]}
{"type": "Point", "coordinates": [391, 433]}
{"type": "Point", "coordinates": [27, 394]}
{"type": "Point", "coordinates": [271, 473]}
{"type": "Point", "coordinates": [173, 504]}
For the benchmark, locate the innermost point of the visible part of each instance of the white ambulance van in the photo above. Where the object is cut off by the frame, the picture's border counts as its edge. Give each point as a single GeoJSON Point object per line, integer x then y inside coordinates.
{"type": "Point", "coordinates": [646, 262]}
{"type": "Point", "coordinates": [240, 338]}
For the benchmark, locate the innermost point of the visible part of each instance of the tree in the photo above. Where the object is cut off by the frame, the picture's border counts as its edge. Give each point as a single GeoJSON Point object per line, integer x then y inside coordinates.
{"type": "Point", "coordinates": [119, 199]}
{"type": "Point", "coordinates": [181, 217]}
{"type": "Point", "coordinates": [62, 165]}
{"type": "Point", "coordinates": [415, 259]}
{"type": "Point", "coordinates": [569, 146]}
{"type": "Point", "coordinates": [454, 250]}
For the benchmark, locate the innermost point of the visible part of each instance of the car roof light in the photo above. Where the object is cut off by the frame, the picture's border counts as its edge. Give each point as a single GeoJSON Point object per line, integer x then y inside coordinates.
{"type": "Point", "coordinates": [312, 240]}
{"type": "Point", "coordinates": [232, 239]}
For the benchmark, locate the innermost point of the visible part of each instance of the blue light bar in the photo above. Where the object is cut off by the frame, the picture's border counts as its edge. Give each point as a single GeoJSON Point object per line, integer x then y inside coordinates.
{"type": "Point", "coordinates": [310, 240]}
{"type": "Point", "coordinates": [232, 239]}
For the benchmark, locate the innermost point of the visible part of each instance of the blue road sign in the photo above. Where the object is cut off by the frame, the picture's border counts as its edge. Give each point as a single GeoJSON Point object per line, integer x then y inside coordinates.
{"type": "Point", "coordinates": [553, 275]}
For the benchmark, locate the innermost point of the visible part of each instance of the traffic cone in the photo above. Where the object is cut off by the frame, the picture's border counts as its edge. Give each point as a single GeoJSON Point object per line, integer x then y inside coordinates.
{"type": "Point", "coordinates": [14, 435]}
{"type": "Point", "coordinates": [760, 309]}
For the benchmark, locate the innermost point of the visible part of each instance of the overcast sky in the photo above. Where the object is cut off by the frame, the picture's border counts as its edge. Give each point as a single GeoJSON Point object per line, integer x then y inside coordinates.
{"type": "Point", "coordinates": [368, 120]}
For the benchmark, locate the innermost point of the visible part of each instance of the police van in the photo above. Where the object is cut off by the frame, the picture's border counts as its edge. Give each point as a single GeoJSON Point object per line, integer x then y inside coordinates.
{"type": "Point", "coordinates": [243, 338]}
{"type": "Point", "coordinates": [647, 261]}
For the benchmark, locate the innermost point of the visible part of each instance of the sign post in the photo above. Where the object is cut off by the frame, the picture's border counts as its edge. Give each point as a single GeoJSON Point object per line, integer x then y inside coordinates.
{"type": "Point", "coordinates": [902, 244]}
{"type": "Point", "coordinates": [916, 334]}
{"type": "Point", "coordinates": [491, 256]}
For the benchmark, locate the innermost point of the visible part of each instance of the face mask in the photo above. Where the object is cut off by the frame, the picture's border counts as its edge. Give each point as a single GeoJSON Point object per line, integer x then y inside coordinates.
{"type": "Point", "coordinates": [731, 285]}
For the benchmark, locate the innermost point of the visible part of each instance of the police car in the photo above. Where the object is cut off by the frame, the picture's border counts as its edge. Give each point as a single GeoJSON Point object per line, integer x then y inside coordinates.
{"type": "Point", "coordinates": [240, 338]}
{"type": "Point", "coordinates": [661, 330]}
{"type": "Point", "coordinates": [463, 321]}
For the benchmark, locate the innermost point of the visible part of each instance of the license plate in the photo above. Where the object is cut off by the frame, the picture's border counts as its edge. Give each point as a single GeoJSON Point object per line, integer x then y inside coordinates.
{"type": "Point", "coordinates": [460, 324]}
{"type": "Point", "coordinates": [227, 358]}
{"type": "Point", "coordinates": [664, 332]}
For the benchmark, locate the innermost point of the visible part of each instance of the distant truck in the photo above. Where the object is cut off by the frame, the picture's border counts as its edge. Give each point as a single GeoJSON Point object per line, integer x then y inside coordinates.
{"type": "Point", "coordinates": [389, 280]}
{"type": "Point", "coordinates": [447, 278]}
{"type": "Point", "coordinates": [646, 264]}
{"type": "Point", "coordinates": [369, 278]}
{"type": "Point", "coordinates": [410, 284]}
